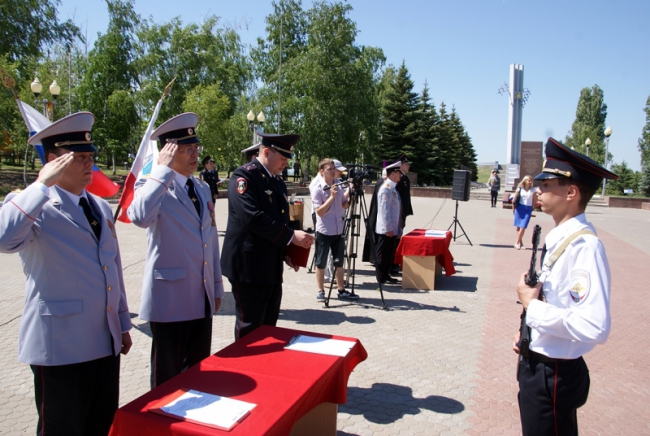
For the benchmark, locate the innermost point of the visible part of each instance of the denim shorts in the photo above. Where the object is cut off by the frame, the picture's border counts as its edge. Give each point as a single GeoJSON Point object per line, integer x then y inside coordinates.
{"type": "Point", "coordinates": [323, 245]}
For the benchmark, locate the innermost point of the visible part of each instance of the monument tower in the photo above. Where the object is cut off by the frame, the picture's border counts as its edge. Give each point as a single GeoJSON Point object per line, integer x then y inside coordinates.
{"type": "Point", "coordinates": [517, 97]}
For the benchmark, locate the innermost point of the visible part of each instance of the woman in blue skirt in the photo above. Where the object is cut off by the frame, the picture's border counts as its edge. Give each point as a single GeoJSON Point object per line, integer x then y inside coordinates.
{"type": "Point", "coordinates": [524, 208]}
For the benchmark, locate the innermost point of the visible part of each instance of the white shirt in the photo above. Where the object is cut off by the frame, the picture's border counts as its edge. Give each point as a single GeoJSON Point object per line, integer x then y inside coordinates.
{"type": "Point", "coordinates": [526, 197]}
{"type": "Point", "coordinates": [575, 316]}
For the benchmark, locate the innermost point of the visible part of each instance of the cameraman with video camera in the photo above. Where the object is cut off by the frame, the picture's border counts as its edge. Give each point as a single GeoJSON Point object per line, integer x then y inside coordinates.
{"type": "Point", "coordinates": [329, 202]}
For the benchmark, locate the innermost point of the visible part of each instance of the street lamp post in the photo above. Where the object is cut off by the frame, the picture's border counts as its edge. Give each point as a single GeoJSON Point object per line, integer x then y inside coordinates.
{"type": "Point", "coordinates": [587, 145]}
{"type": "Point", "coordinates": [55, 90]}
{"type": "Point", "coordinates": [255, 127]}
{"type": "Point", "coordinates": [608, 133]}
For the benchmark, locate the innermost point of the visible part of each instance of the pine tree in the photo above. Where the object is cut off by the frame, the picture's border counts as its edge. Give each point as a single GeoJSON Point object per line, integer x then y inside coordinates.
{"type": "Point", "coordinates": [429, 159]}
{"type": "Point", "coordinates": [464, 154]}
{"type": "Point", "coordinates": [400, 132]}
{"type": "Point", "coordinates": [644, 140]}
{"type": "Point", "coordinates": [446, 148]}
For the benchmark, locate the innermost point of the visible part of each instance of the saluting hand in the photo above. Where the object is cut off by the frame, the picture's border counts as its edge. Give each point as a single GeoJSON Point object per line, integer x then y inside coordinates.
{"type": "Point", "coordinates": [167, 153]}
{"type": "Point", "coordinates": [51, 173]}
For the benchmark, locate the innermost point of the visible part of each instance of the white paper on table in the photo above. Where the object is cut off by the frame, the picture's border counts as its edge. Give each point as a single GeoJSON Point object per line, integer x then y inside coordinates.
{"type": "Point", "coordinates": [208, 408]}
{"type": "Point", "coordinates": [312, 344]}
{"type": "Point", "coordinates": [435, 233]}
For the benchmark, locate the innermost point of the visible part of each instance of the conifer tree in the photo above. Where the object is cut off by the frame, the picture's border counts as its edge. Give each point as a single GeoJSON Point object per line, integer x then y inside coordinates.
{"type": "Point", "coordinates": [400, 132]}
{"type": "Point", "coordinates": [446, 148]}
{"type": "Point", "coordinates": [464, 153]}
{"type": "Point", "coordinates": [429, 159]}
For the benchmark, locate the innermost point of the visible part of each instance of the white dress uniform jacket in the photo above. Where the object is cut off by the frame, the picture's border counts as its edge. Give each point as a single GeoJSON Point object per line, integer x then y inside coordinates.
{"type": "Point", "coordinates": [182, 265]}
{"type": "Point", "coordinates": [388, 209]}
{"type": "Point", "coordinates": [575, 316]}
{"type": "Point", "coordinates": [74, 293]}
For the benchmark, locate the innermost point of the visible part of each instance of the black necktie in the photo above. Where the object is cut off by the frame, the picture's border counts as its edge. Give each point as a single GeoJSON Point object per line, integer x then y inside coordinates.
{"type": "Point", "coordinates": [94, 224]}
{"type": "Point", "coordinates": [192, 195]}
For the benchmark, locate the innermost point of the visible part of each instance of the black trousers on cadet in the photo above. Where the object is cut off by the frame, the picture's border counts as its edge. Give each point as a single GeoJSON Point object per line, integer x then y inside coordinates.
{"type": "Point", "coordinates": [550, 394]}
{"type": "Point", "coordinates": [176, 346]}
{"type": "Point", "coordinates": [77, 399]}
{"type": "Point", "coordinates": [255, 305]}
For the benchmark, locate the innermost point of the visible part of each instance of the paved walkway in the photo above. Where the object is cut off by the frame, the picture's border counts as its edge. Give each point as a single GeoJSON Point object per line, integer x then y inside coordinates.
{"type": "Point", "coordinates": [439, 362]}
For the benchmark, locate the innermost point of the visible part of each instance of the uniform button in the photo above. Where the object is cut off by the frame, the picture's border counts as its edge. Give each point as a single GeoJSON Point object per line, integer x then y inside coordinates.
{"type": "Point", "coordinates": [110, 288]}
{"type": "Point", "coordinates": [201, 227]}
{"type": "Point", "coordinates": [109, 308]}
{"type": "Point", "coordinates": [205, 245]}
{"type": "Point", "coordinates": [282, 210]}
{"type": "Point", "coordinates": [205, 263]}
{"type": "Point", "coordinates": [105, 268]}
{"type": "Point", "coordinates": [204, 280]}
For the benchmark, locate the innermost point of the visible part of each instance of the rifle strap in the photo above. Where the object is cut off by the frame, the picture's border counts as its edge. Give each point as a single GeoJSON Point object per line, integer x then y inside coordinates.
{"type": "Point", "coordinates": [550, 260]}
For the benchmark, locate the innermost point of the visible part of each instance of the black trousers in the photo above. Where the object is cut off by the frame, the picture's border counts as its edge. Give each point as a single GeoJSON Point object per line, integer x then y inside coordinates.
{"type": "Point", "coordinates": [385, 255]}
{"type": "Point", "coordinates": [550, 394]}
{"type": "Point", "coordinates": [176, 346]}
{"type": "Point", "coordinates": [255, 305]}
{"type": "Point", "coordinates": [493, 197]}
{"type": "Point", "coordinates": [77, 399]}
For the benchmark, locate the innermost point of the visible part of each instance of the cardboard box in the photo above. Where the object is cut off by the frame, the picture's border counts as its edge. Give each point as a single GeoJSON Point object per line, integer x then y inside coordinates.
{"type": "Point", "coordinates": [296, 212]}
{"type": "Point", "coordinates": [419, 272]}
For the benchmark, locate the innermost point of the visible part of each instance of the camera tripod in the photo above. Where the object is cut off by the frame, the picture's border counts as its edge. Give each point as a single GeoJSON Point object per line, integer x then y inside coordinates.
{"type": "Point", "coordinates": [357, 210]}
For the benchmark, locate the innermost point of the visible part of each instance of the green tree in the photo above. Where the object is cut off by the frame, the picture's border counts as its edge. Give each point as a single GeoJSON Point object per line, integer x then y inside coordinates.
{"type": "Point", "coordinates": [644, 182]}
{"type": "Point", "coordinates": [326, 92]}
{"type": "Point", "coordinates": [464, 152]}
{"type": "Point", "coordinates": [111, 69]}
{"type": "Point", "coordinates": [196, 55]}
{"type": "Point", "coordinates": [400, 119]}
{"type": "Point", "coordinates": [429, 159]}
{"type": "Point", "coordinates": [29, 26]}
{"type": "Point", "coordinates": [644, 140]}
{"type": "Point", "coordinates": [447, 143]}
{"type": "Point", "coordinates": [626, 179]}
{"type": "Point", "coordinates": [591, 114]}
{"type": "Point", "coordinates": [213, 108]}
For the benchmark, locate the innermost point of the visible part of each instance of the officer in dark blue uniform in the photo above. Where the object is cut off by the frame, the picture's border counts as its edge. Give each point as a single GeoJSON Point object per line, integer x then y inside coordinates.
{"type": "Point", "coordinates": [258, 233]}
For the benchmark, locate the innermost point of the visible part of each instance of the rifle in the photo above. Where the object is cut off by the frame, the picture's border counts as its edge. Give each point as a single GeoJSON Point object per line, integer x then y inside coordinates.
{"type": "Point", "coordinates": [530, 280]}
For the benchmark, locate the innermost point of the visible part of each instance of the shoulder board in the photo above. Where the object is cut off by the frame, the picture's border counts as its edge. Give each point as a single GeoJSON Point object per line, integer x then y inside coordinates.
{"type": "Point", "coordinates": [387, 185]}
{"type": "Point", "coordinates": [250, 166]}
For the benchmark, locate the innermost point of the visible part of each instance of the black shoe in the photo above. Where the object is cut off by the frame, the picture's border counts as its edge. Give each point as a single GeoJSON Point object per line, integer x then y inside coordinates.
{"type": "Point", "coordinates": [394, 271]}
{"type": "Point", "coordinates": [345, 295]}
{"type": "Point", "coordinates": [388, 280]}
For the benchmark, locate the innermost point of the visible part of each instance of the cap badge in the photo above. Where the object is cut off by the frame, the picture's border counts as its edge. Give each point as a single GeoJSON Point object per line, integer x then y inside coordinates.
{"type": "Point", "coordinates": [190, 131]}
{"type": "Point", "coordinates": [87, 136]}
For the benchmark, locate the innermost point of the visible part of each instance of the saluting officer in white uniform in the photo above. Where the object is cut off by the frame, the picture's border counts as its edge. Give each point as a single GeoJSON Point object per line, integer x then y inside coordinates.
{"type": "Point", "coordinates": [568, 311]}
{"type": "Point", "coordinates": [182, 284]}
{"type": "Point", "coordinates": [388, 223]}
{"type": "Point", "coordinates": [76, 320]}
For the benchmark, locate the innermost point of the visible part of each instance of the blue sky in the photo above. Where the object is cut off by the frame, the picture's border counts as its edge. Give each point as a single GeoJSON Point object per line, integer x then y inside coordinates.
{"type": "Point", "coordinates": [463, 50]}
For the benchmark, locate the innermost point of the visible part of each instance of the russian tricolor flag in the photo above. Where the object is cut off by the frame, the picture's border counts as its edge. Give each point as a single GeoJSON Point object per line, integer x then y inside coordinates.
{"type": "Point", "coordinates": [35, 121]}
{"type": "Point", "coordinates": [143, 163]}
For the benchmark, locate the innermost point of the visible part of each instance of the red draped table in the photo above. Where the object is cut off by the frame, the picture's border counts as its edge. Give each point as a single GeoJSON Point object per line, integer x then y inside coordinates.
{"type": "Point", "coordinates": [284, 384]}
{"type": "Point", "coordinates": [420, 256]}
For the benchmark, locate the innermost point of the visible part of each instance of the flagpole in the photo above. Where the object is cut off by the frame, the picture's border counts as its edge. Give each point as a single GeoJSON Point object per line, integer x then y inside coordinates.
{"type": "Point", "coordinates": [166, 92]}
